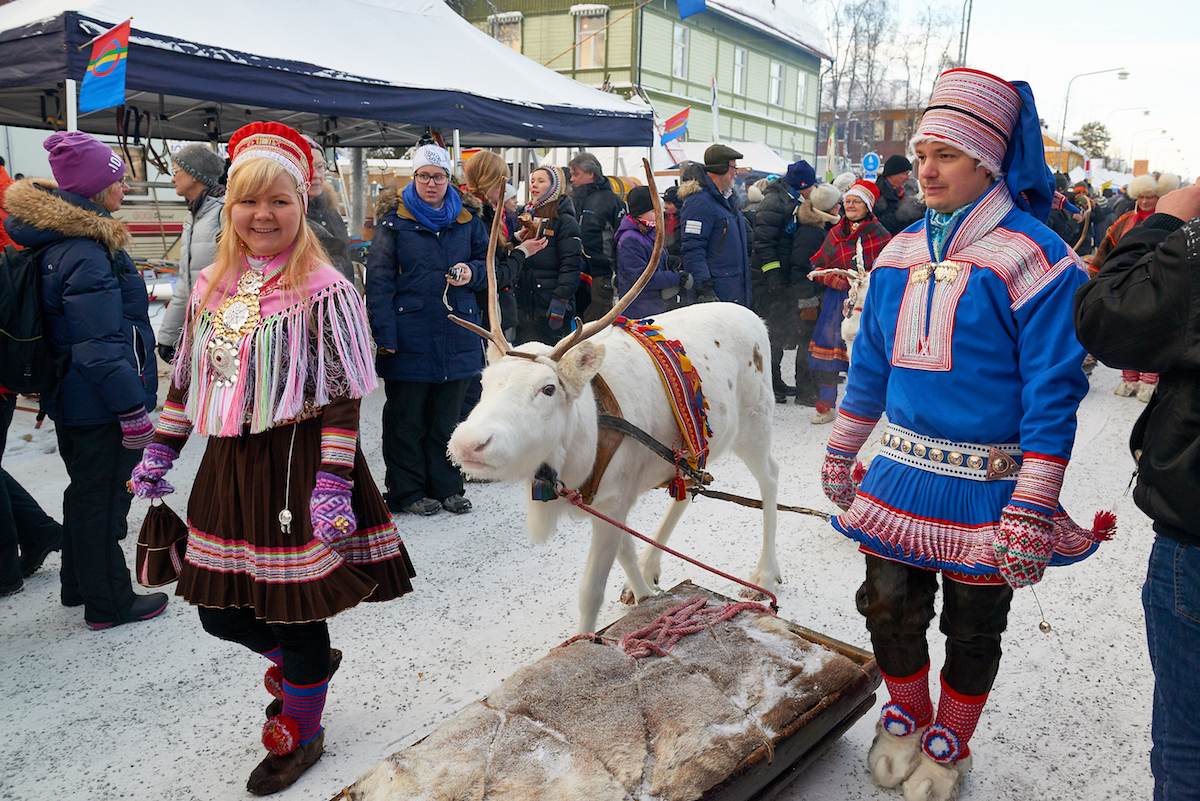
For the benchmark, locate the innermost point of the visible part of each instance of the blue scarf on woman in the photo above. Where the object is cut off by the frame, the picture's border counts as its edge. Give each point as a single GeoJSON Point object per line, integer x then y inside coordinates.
{"type": "Point", "coordinates": [433, 219]}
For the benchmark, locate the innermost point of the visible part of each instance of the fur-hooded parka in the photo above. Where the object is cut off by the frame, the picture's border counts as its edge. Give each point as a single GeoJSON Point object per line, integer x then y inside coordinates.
{"type": "Point", "coordinates": [95, 309]}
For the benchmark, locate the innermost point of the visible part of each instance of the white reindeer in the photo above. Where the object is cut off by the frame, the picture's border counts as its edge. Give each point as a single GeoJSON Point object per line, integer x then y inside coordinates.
{"type": "Point", "coordinates": [538, 407]}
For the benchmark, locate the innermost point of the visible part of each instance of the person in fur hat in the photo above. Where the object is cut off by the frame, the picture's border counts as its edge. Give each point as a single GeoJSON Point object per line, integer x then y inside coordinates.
{"type": "Point", "coordinates": [1145, 190]}
{"type": "Point", "coordinates": [966, 342]}
{"type": "Point", "coordinates": [814, 217]}
{"type": "Point", "coordinates": [95, 318]}
{"type": "Point", "coordinates": [286, 527]}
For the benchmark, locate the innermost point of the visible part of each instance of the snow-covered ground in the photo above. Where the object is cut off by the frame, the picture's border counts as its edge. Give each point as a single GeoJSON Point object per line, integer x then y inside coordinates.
{"type": "Point", "coordinates": [160, 710]}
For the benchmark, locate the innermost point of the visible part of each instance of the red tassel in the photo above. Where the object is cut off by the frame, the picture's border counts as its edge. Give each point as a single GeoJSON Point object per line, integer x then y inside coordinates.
{"type": "Point", "coordinates": [280, 735]}
{"type": "Point", "coordinates": [273, 681]}
{"type": "Point", "coordinates": [859, 473]}
{"type": "Point", "coordinates": [1104, 526]}
{"type": "Point", "coordinates": [677, 489]}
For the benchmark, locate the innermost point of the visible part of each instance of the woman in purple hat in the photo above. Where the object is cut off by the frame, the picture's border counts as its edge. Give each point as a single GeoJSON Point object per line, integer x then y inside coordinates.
{"type": "Point", "coordinates": [95, 314]}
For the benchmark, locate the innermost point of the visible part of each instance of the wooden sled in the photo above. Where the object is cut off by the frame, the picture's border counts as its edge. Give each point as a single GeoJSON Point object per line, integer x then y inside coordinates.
{"type": "Point", "coordinates": [735, 711]}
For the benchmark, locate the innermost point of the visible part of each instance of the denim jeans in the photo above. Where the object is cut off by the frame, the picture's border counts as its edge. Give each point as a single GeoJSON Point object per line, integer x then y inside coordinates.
{"type": "Point", "coordinates": [1171, 598]}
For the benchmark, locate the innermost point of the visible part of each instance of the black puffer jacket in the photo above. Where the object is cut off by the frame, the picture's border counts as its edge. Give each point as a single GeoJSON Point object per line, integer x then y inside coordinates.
{"type": "Point", "coordinates": [599, 214]}
{"type": "Point", "coordinates": [1142, 312]}
{"type": "Point", "coordinates": [554, 271]}
{"type": "Point", "coordinates": [330, 229]}
{"type": "Point", "coordinates": [772, 239]}
{"type": "Point", "coordinates": [812, 225]}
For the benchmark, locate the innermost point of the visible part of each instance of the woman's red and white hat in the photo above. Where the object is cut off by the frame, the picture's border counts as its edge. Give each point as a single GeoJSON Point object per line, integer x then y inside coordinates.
{"type": "Point", "coordinates": [278, 142]}
{"type": "Point", "coordinates": [973, 111]}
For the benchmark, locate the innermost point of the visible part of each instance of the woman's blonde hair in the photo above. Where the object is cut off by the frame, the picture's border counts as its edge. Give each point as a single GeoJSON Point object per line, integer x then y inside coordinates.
{"type": "Point", "coordinates": [253, 177]}
{"type": "Point", "coordinates": [485, 173]}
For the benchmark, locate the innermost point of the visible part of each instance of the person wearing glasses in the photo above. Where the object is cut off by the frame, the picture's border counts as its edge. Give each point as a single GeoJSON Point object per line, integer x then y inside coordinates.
{"type": "Point", "coordinates": [426, 263]}
{"type": "Point", "coordinates": [323, 217]}
{"type": "Point", "coordinates": [94, 312]}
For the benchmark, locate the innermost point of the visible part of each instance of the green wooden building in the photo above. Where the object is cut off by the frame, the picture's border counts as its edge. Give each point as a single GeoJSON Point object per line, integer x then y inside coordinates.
{"type": "Point", "coordinates": [761, 59]}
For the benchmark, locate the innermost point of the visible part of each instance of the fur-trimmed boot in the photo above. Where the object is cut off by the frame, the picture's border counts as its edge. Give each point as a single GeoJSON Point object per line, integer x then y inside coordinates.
{"type": "Point", "coordinates": [280, 771]}
{"type": "Point", "coordinates": [1145, 391]}
{"type": "Point", "coordinates": [892, 759]}
{"type": "Point", "coordinates": [896, 749]}
{"type": "Point", "coordinates": [1126, 389]}
{"type": "Point", "coordinates": [936, 781]}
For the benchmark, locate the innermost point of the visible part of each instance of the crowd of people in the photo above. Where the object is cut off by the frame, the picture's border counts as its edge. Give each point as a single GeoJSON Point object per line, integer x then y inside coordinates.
{"type": "Point", "coordinates": [980, 278]}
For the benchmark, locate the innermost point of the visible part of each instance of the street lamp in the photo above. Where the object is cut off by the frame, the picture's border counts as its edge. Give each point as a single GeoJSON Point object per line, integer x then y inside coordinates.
{"type": "Point", "coordinates": [1062, 141]}
{"type": "Point", "coordinates": [1155, 139]}
{"type": "Point", "coordinates": [1144, 109]}
{"type": "Point", "coordinates": [1134, 139]}
{"type": "Point", "coordinates": [964, 31]}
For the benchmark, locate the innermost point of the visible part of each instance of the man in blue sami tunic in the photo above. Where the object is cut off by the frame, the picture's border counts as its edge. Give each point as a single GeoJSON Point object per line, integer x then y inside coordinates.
{"type": "Point", "coordinates": [966, 341]}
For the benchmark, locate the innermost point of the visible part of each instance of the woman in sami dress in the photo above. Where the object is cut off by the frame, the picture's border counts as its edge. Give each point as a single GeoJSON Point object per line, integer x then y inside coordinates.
{"type": "Point", "coordinates": [286, 527]}
{"type": "Point", "coordinates": [827, 351]}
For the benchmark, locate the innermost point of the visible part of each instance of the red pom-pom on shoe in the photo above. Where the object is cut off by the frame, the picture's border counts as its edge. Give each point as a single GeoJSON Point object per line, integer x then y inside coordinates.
{"type": "Point", "coordinates": [273, 681]}
{"type": "Point", "coordinates": [1104, 526]}
{"type": "Point", "coordinates": [280, 735]}
{"type": "Point", "coordinates": [823, 406]}
{"type": "Point", "coordinates": [859, 473]}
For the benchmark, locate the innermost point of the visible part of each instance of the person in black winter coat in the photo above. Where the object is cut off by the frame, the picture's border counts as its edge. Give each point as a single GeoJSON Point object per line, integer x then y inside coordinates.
{"type": "Point", "coordinates": [546, 290]}
{"type": "Point", "coordinates": [599, 213]}
{"type": "Point", "coordinates": [771, 265]}
{"type": "Point", "coordinates": [892, 212]}
{"type": "Point", "coordinates": [324, 219]}
{"type": "Point", "coordinates": [814, 217]}
{"type": "Point", "coordinates": [95, 311]}
{"type": "Point", "coordinates": [1141, 312]}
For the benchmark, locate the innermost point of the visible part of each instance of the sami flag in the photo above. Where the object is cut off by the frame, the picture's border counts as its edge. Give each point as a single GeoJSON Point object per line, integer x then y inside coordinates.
{"type": "Point", "coordinates": [689, 7]}
{"type": "Point", "coordinates": [104, 81]}
{"type": "Point", "coordinates": [675, 127]}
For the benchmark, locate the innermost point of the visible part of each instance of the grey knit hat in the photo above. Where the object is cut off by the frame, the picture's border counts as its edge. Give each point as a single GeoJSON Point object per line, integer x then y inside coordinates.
{"type": "Point", "coordinates": [201, 163]}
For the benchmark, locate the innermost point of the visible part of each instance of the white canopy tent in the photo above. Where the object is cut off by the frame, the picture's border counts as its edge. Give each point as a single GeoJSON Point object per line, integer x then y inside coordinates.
{"type": "Point", "coordinates": [387, 71]}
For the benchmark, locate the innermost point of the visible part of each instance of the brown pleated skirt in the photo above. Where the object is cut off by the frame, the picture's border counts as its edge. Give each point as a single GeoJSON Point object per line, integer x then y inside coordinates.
{"type": "Point", "coordinates": [238, 554]}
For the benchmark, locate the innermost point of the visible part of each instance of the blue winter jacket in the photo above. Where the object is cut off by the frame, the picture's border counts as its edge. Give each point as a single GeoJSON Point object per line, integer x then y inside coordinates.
{"type": "Point", "coordinates": [634, 246]}
{"type": "Point", "coordinates": [407, 294]}
{"type": "Point", "coordinates": [94, 304]}
{"type": "Point", "coordinates": [713, 241]}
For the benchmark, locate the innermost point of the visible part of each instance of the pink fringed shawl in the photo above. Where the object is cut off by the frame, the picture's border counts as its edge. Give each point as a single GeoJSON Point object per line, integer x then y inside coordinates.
{"type": "Point", "coordinates": [302, 350]}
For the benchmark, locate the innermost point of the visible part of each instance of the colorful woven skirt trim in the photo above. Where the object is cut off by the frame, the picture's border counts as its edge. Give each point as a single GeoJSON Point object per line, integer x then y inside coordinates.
{"type": "Point", "coordinates": [827, 350]}
{"type": "Point", "coordinates": [942, 522]}
{"type": "Point", "coordinates": [237, 555]}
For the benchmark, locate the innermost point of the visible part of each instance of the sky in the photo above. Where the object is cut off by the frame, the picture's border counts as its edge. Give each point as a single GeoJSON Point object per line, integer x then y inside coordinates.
{"type": "Point", "coordinates": [1047, 43]}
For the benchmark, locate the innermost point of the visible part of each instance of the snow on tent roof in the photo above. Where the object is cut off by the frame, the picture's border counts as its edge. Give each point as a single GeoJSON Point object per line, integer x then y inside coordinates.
{"type": "Point", "coordinates": [411, 63]}
{"type": "Point", "coordinates": [783, 19]}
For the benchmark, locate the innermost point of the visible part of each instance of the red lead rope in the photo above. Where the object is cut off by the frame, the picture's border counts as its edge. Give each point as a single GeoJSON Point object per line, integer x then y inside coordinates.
{"type": "Point", "coordinates": [576, 499]}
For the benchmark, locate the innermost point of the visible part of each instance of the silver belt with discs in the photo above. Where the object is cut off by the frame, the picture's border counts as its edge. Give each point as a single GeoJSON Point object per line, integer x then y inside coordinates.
{"type": "Point", "coordinates": [959, 459]}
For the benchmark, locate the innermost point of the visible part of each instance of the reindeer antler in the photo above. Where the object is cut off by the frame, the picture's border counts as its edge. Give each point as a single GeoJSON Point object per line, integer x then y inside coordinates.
{"type": "Point", "coordinates": [583, 332]}
{"type": "Point", "coordinates": [496, 335]}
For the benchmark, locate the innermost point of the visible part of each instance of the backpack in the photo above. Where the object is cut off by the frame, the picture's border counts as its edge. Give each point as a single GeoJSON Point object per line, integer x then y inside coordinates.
{"type": "Point", "coordinates": [26, 365]}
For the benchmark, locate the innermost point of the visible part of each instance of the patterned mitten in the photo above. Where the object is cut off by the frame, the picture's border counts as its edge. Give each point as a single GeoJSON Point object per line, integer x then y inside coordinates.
{"type": "Point", "coordinates": [147, 481]}
{"type": "Point", "coordinates": [838, 473]}
{"type": "Point", "coordinates": [1024, 544]}
{"type": "Point", "coordinates": [136, 429]}
{"type": "Point", "coordinates": [1025, 540]}
{"type": "Point", "coordinates": [556, 313]}
{"type": "Point", "coordinates": [837, 479]}
{"type": "Point", "coordinates": [330, 509]}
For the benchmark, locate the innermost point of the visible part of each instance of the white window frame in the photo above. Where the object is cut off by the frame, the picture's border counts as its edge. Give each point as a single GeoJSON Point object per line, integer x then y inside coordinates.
{"type": "Point", "coordinates": [802, 91]}
{"type": "Point", "coordinates": [775, 82]}
{"type": "Point", "coordinates": [680, 42]}
{"type": "Point", "coordinates": [740, 69]}
{"type": "Point", "coordinates": [504, 23]}
{"type": "Point", "coordinates": [594, 53]}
